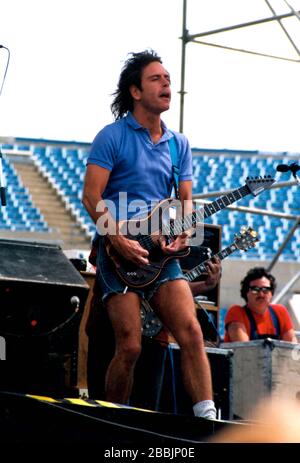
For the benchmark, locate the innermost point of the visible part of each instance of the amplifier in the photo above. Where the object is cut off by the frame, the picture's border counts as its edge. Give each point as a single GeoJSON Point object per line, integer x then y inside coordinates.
{"type": "Point", "coordinates": [42, 298]}
{"type": "Point", "coordinates": [158, 381]}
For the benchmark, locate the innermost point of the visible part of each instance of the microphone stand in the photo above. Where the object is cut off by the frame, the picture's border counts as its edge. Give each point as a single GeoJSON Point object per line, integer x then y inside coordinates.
{"type": "Point", "coordinates": [295, 176]}
{"type": "Point", "coordinates": [2, 184]}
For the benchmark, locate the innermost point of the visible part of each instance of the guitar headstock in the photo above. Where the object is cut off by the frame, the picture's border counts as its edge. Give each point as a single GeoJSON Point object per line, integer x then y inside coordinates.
{"type": "Point", "coordinates": [257, 185]}
{"type": "Point", "coordinates": [246, 239]}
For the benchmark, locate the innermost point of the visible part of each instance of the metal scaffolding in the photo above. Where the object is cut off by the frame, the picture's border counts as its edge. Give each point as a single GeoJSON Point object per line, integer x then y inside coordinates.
{"type": "Point", "coordinates": [198, 38]}
{"type": "Point", "coordinates": [195, 38]}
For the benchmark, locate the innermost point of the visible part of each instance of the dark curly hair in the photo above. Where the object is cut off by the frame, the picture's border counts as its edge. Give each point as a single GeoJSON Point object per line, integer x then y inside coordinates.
{"type": "Point", "coordinates": [254, 274]}
{"type": "Point", "coordinates": [131, 74]}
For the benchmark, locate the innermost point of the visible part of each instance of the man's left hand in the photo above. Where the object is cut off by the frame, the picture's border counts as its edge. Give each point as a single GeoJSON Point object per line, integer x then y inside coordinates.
{"type": "Point", "coordinates": [179, 244]}
{"type": "Point", "coordinates": [214, 271]}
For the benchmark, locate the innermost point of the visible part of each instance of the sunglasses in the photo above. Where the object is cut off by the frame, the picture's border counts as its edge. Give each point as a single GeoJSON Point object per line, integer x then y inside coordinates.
{"type": "Point", "coordinates": [257, 289]}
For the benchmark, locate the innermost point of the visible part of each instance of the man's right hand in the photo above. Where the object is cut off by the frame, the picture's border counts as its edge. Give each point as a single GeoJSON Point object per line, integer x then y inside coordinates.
{"type": "Point", "coordinates": [129, 249]}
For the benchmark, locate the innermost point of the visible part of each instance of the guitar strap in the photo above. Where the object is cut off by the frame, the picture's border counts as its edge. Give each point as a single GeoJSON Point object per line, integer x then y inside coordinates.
{"type": "Point", "coordinates": [175, 168]}
{"type": "Point", "coordinates": [253, 328]}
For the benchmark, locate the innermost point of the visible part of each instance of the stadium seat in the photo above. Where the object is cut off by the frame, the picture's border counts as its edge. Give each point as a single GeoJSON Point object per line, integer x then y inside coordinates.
{"type": "Point", "coordinates": [213, 170]}
{"type": "Point", "coordinates": [19, 214]}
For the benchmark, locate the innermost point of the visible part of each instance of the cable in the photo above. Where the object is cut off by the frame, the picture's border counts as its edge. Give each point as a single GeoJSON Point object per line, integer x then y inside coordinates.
{"type": "Point", "coordinates": [7, 63]}
{"type": "Point", "coordinates": [170, 349]}
{"type": "Point", "coordinates": [45, 333]}
{"type": "Point", "coordinates": [2, 183]}
{"type": "Point", "coordinates": [209, 319]}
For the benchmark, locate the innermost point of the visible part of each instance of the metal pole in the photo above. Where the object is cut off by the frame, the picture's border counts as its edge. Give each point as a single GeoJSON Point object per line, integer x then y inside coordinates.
{"type": "Point", "coordinates": [283, 28]}
{"type": "Point", "coordinates": [286, 288]}
{"type": "Point", "coordinates": [286, 240]}
{"type": "Point", "coordinates": [211, 194]}
{"type": "Point", "coordinates": [183, 45]}
{"type": "Point", "coordinates": [241, 50]}
{"type": "Point", "coordinates": [292, 9]}
{"type": "Point", "coordinates": [239, 26]}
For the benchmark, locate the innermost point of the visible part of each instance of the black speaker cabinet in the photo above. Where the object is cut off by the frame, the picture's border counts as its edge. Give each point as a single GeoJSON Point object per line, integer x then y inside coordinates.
{"type": "Point", "coordinates": [42, 297]}
{"type": "Point", "coordinates": [209, 247]}
{"type": "Point", "coordinates": [158, 381]}
{"type": "Point", "coordinates": [210, 301]}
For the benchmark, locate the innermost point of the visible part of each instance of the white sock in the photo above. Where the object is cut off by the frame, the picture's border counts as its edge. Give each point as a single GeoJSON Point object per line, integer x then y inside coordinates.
{"type": "Point", "coordinates": [205, 409]}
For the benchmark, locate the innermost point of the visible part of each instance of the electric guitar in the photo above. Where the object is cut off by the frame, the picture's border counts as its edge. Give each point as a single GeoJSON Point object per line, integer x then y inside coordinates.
{"type": "Point", "coordinates": [149, 230]}
{"type": "Point", "coordinates": [246, 239]}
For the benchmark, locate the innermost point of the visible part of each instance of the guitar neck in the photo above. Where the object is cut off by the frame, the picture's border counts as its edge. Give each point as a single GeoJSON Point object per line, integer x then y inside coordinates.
{"type": "Point", "coordinates": [207, 210]}
{"type": "Point", "coordinates": [201, 268]}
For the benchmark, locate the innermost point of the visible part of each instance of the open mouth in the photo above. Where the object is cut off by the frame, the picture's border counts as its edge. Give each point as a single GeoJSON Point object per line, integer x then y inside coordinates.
{"type": "Point", "coordinates": [165, 95]}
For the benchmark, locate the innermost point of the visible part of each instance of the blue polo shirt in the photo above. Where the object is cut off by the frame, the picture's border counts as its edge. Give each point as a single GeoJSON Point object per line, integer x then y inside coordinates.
{"type": "Point", "coordinates": [141, 171]}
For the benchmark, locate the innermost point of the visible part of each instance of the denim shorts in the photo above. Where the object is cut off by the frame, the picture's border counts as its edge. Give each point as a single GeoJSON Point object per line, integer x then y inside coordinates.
{"type": "Point", "coordinates": [110, 283]}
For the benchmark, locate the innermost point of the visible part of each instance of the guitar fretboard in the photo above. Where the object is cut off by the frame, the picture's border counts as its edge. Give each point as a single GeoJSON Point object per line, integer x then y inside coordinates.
{"type": "Point", "coordinates": [201, 268]}
{"type": "Point", "coordinates": [190, 221]}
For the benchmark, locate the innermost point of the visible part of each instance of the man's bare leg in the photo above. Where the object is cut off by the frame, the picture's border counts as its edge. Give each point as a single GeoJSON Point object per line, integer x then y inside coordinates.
{"type": "Point", "coordinates": [175, 306]}
{"type": "Point", "coordinates": [124, 313]}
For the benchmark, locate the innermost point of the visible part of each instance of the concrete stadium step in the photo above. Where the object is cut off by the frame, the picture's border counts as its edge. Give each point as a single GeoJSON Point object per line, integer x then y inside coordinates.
{"type": "Point", "coordinates": [59, 219]}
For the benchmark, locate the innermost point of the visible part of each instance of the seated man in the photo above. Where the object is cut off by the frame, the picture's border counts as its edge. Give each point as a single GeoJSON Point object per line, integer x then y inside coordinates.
{"type": "Point", "coordinates": [259, 318]}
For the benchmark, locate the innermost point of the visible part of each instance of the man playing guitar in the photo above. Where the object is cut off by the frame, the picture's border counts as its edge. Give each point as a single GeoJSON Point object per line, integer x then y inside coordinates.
{"type": "Point", "coordinates": [130, 161]}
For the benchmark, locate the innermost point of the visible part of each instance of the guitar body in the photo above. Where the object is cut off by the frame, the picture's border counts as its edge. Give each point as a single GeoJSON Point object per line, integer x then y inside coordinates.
{"type": "Point", "coordinates": [143, 275]}
{"type": "Point", "coordinates": [147, 231]}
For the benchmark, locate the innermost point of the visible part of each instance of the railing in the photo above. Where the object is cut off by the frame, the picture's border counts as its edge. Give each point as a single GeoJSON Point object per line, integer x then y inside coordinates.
{"type": "Point", "coordinates": [199, 198]}
{"type": "Point", "coordinates": [286, 288]}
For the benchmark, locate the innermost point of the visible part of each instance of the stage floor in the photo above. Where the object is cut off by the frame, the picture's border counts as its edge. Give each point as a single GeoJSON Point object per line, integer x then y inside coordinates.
{"type": "Point", "coordinates": [27, 418]}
